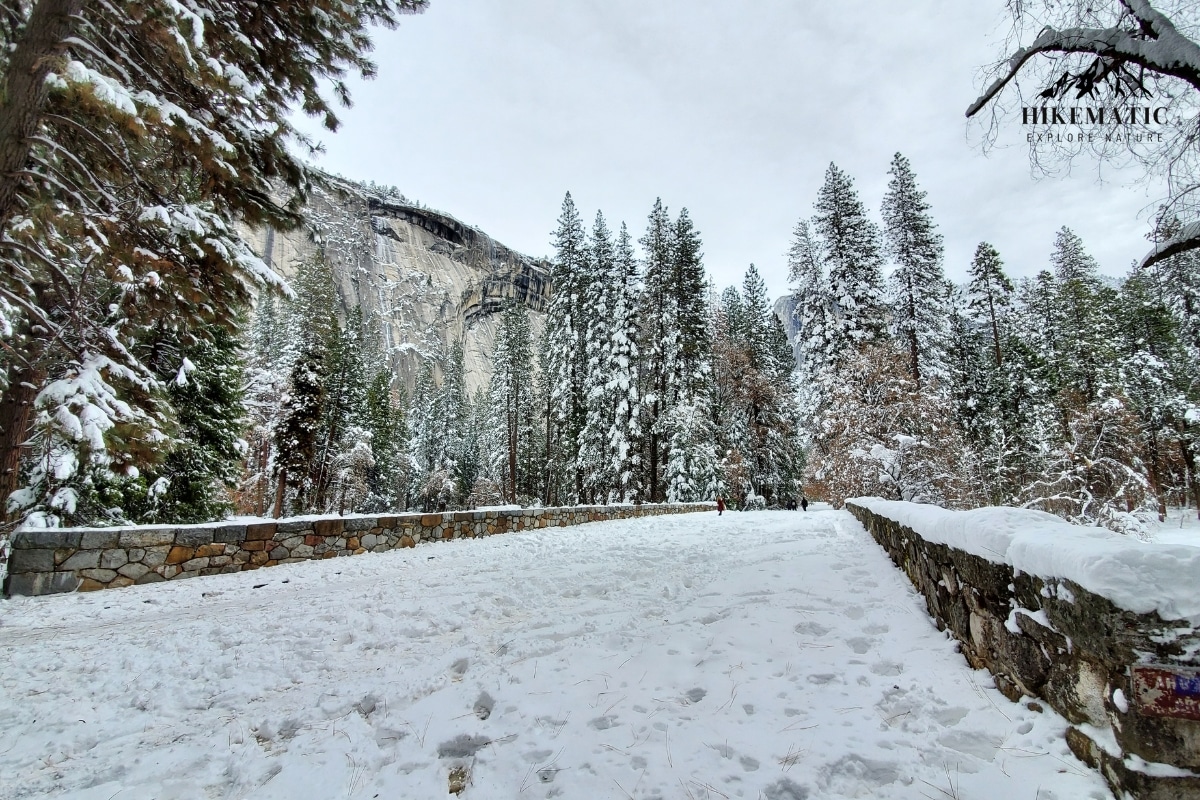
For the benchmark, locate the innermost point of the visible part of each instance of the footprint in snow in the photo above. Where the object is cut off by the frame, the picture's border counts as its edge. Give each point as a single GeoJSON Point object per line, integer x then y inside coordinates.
{"type": "Point", "coordinates": [823, 678]}
{"type": "Point", "coordinates": [385, 736]}
{"type": "Point", "coordinates": [785, 789]}
{"type": "Point", "coordinates": [484, 705]}
{"type": "Point", "coordinates": [859, 644]}
{"type": "Point", "coordinates": [462, 746]}
{"type": "Point", "coordinates": [888, 668]}
{"type": "Point", "coordinates": [459, 668]}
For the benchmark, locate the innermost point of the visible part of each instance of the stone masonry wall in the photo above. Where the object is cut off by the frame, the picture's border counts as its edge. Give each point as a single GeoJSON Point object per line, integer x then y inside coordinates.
{"type": "Point", "coordinates": [1052, 639]}
{"type": "Point", "coordinates": [68, 560]}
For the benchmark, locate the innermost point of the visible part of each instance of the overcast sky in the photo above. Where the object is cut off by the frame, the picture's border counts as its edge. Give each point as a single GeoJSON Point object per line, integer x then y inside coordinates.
{"type": "Point", "coordinates": [490, 111]}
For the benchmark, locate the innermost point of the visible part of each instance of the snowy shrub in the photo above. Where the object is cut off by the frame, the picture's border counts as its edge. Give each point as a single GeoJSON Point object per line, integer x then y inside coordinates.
{"type": "Point", "coordinates": [485, 492]}
{"type": "Point", "coordinates": [880, 436]}
{"type": "Point", "coordinates": [754, 502]}
{"type": "Point", "coordinates": [1095, 476]}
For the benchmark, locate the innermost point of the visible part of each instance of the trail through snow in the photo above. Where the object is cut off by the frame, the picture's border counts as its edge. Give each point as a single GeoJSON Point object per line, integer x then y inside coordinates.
{"type": "Point", "coordinates": [775, 655]}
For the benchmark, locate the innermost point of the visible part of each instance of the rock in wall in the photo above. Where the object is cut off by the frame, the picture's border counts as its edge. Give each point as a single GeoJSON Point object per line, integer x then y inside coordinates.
{"type": "Point", "coordinates": [429, 278]}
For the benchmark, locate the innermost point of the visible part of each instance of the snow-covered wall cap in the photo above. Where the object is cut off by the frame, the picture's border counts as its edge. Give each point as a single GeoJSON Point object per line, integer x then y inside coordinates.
{"type": "Point", "coordinates": [1135, 575]}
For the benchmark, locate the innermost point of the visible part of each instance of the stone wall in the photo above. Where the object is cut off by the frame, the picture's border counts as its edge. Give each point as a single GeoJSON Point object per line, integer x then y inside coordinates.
{"type": "Point", "coordinates": [67, 560]}
{"type": "Point", "coordinates": [1051, 639]}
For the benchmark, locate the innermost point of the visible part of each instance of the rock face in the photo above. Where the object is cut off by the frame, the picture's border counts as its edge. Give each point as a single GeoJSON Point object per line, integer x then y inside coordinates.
{"type": "Point", "coordinates": [785, 309]}
{"type": "Point", "coordinates": [428, 278]}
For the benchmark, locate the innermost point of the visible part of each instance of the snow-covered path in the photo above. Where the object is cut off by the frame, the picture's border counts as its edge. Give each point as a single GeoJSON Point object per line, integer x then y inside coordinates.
{"type": "Point", "coordinates": [773, 655]}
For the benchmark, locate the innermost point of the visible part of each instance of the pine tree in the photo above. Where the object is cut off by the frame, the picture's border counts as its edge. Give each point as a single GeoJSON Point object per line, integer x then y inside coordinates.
{"type": "Point", "coordinates": [205, 460]}
{"type": "Point", "coordinates": [918, 295]}
{"type": "Point", "coordinates": [991, 295]}
{"type": "Point", "coordinates": [386, 424]}
{"type": "Point", "coordinates": [343, 407]}
{"type": "Point", "coordinates": [132, 145]}
{"type": "Point", "coordinates": [296, 434]}
{"type": "Point", "coordinates": [753, 383]}
{"type": "Point", "coordinates": [659, 344]}
{"type": "Point", "coordinates": [510, 397]}
{"type": "Point", "coordinates": [564, 335]}
{"type": "Point", "coordinates": [688, 289]}
{"type": "Point", "coordinates": [814, 321]}
{"type": "Point", "coordinates": [1153, 366]}
{"type": "Point", "coordinates": [462, 456]}
{"type": "Point", "coordinates": [622, 360]}
{"type": "Point", "coordinates": [593, 440]}
{"type": "Point", "coordinates": [848, 244]}
{"type": "Point", "coordinates": [431, 481]}
{"type": "Point", "coordinates": [1080, 319]}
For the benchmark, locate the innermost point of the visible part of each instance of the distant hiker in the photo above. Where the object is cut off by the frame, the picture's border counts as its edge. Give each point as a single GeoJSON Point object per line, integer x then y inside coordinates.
{"type": "Point", "coordinates": [720, 505]}
{"type": "Point", "coordinates": [790, 505]}
{"type": "Point", "coordinates": [804, 503]}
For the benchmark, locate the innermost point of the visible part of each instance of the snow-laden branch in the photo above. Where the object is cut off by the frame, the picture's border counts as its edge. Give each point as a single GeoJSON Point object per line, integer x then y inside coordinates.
{"type": "Point", "coordinates": [1159, 47]}
{"type": "Point", "coordinates": [1188, 238]}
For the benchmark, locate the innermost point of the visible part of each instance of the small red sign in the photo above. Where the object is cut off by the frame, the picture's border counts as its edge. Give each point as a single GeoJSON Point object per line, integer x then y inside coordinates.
{"type": "Point", "coordinates": [1167, 691]}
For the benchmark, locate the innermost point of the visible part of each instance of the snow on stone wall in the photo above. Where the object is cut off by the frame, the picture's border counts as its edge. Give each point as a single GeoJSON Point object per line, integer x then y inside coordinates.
{"type": "Point", "coordinates": [1092, 623]}
{"type": "Point", "coordinates": [46, 561]}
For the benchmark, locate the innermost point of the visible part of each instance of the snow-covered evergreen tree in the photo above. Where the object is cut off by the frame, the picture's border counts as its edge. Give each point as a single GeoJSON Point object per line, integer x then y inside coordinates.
{"type": "Point", "coordinates": [1081, 320]}
{"type": "Point", "coordinates": [193, 483]}
{"type": "Point", "coordinates": [385, 421]}
{"type": "Point", "coordinates": [511, 400]}
{"type": "Point", "coordinates": [752, 371]}
{"type": "Point", "coordinates": [564, 345]}
{"type": "Point", "coordinates": [133, 143]}
{"type": "Point", "coordinates": [622, 359]}
{"type": "Point", "coordinates": [343, 409]}
{"type": "Point", "coordinates": [848, 243]}
{"type": "Point", "coordinates": [598, 476]}
{"type": "Point", "coordinates": [814, 320]}
{"type": "Point", "coordinates": [659, 344]}
{"type": "Point", "coordinates": [688, 294]}
{"type": "Point", "coordinates": [991, 294]}
{"type": "Point", "coordinates": [918, 297]}
{"type": "Point", "coordinates": [298, 427]}
{"type": "Point", "coordinates": [431, 481]}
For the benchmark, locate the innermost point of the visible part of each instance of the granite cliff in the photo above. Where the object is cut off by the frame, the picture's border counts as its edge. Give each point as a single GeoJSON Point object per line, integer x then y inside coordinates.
{"type": "Point", "coordinates": [428, 278]}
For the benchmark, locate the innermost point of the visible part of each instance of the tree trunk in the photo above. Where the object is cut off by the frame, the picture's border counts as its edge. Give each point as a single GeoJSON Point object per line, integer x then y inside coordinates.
{"type": "Point", "coordinates": [995, 329]}
{"type": "Point", "coordinates": [513, 438]}
{"type": "Point", "coordinates": [25, 90]}
{"type": "Point", "coordinates": [1189, 470]}
{"type": "Point", "coordinates": [914, 357]}
{"type": "Point", "coordinates": [16, 412]}
{"type": "Point", "coordinates": [279, 493]}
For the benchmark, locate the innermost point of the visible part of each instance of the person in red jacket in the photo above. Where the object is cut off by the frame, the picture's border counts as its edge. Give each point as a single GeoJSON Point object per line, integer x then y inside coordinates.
{"type": "Point", "coordinates": [720, 505]}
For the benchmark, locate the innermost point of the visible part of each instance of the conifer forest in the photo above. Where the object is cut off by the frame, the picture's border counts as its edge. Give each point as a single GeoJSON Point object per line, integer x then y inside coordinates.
{"type": "Point", "coordinates": [155, 369]}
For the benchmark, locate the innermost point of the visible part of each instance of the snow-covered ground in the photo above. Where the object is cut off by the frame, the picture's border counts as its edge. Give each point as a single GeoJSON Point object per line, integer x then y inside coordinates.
{"type": "Point", "coordinates": [774, 655]}
{"type": "Point", "coordinates": [1180, 527]}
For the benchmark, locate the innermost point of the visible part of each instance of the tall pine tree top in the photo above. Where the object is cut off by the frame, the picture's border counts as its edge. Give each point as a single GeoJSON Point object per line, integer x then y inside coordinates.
{"type": "Point", "coordinates": [918, 296]}
{"type": "Point", "coordinates": [849, 246]}
{"type": "Point", "coordinates": [991, 294]}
